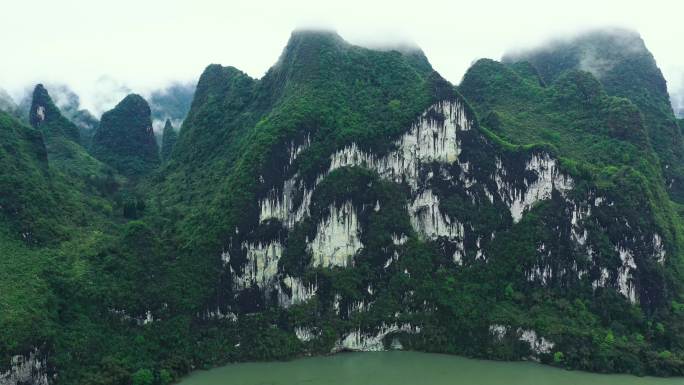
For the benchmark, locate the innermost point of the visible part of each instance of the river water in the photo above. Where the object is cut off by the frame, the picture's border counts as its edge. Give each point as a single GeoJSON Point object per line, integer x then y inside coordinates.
{"type": "Point", "coordinates": [405, 368]}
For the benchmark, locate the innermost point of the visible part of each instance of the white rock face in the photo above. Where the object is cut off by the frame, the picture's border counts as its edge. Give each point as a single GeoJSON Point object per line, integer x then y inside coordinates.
{"type": "Point", "coordinates": [498, 331]}
{"type": "Point", "coordinates": [625, 283]}
{"type": "Point", "coordinates": [399, 240]}
{"type": "Point", "coordinates": [360, 342]}
{"type": "Point", "coordinates": [26, 370]}
{"type": "Point", "coordinates": [261, 267]}
{"type": "Point", "coordinates": [390, 260]}
{"type": "Point", "coordinates": [40, 111]}
{"type": "Point", "coordinates": [541, 274]}
{"type": "Point", "coordinates": [457, 257]}
{"type": "Point", "coordinates": [217, 314]}
{"type": "Point", "coordinates": [149, 318]}
{"type": "Point", "coordinates": [549, 178]}
{"type": "Point", "coordinates": [295, 149]}
{"type": "Point", "coordinates": [432, 139]}
{"type": "Point", "coordinates": [577, 231]}
{"type": "Point", "coordinates": [300, 292]}
{"type": "Point", "coordinates": [625, 280]}
{"type": "Point", "coordinates": [602, 280]}
{"type": "Point", "coordinates": [429, 221]}
{"type": "Point", "coordinates": [538, 344]}
{"type": "Point", "coordinates": [428, 140]}
{"type": "Point", "coordinates": [336, 303]}
{"type": "Point", "coordinates": [140, 320]}
{"type": "Point", "coordinates": [281, 205]}
{"type": "Point", "coordinates": [358, 307]}
{"type": "Point", "coordinates": [306, 334]}
{"type": "Point", "coordinates": [337, 237]}
{"type": "Point", "coordinates": [658, 249]}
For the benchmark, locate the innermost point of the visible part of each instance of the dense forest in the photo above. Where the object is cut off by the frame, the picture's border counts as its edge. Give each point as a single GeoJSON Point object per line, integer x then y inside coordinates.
{"type": "Point", "coordinates": [350, 199]}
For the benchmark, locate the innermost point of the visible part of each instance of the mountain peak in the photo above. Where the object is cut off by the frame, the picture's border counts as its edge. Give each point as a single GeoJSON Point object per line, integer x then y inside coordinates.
{"type": "Point", "coordinates": [619, 37]}
{"type": "Point", "coordinates": [315, 34]}
{"type": "Point", "coordinates": [620, 60]}
{"type": "Point", "coordinates": [45, 115]}
{"type": "Point", "coordinates": [599, 51]}
{"type": "Point", "coordinates": [125, 138]}
{"type": "Point", "coordinates": [308, 45]}
{"type": "Point", "coordinates": [134, 101]}
{"type": "Point", "coordinates": [169, 138]}
{"type": "Point", "coordinates": [42, 106]}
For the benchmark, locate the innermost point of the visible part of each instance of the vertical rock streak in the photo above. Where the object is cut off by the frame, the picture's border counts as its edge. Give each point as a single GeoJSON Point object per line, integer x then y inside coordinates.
{"type": "Point", "coordinates": [337, 237]}
{"type": "Point", "coordinates": [548, 178]}
{"type": "Point", "coordinates": [31, 369]}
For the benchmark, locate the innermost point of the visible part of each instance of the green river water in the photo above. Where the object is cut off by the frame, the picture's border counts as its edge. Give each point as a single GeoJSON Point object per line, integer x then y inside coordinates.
{"type": "Point", "coordinates": [406, 368]}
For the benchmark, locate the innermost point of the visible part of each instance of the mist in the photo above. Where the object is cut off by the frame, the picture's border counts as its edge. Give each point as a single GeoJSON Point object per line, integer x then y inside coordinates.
{"type": "Point", "coordinates": [104, 50]}
{"type": "Point", "coordinates": [677, 100]}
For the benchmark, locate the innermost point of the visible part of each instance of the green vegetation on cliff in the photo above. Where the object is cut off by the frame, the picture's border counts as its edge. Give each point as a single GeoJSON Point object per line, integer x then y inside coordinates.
{"type": "Point", "coordinates": [620, 60]}
{"type": "Point", "coordinates": [337, 92]}
{"type": "Point", "coordinates": [45, 116]}
{"type": "Point", "coordinates": [574, 115]}
{"type": "Point", "coordinates": [125, 139]}
{"type": "Point", "coordinates": [25, 191]}
{"type": "Point", "coordinates": [169, 138]}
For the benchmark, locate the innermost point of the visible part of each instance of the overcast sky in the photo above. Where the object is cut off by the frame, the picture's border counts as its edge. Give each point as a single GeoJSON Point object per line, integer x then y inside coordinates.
{"type": "Point", "coordinates": [98, 46]}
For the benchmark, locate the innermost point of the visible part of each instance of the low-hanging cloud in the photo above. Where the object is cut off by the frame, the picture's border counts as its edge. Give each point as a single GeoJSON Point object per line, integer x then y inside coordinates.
{"type": "Point", "coordinates": [599, 63]}
{"type": "Point", "coordinates": [171, 102]}
{"type": "Point", "coordinates": [105, 50]}
{"type": "Point", "coordinates": [677, 100]}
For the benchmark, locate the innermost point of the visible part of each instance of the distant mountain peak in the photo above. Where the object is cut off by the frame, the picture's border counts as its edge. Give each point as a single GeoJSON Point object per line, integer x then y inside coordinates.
{"type": "Point", "coordinates": [7, 103]}
{"type": "Point", "coordinates": [45, 116]}
{"type": "Point", "coordinates": [597, 51]}
{"type": "Point", "coordinates": [620, 60]}
{"type": "Point", "coordinates": [134, 101]}
{"type": "Point", "coordinates": [320, 34]}
{"type": "Point", "coordinates": [125, 138]}
{"type": "Point", "coordinates": [307, 46]}
{"type": "Point", "coordinates": [169, 138]}
{"type": "Point", "coordinates": [41, 106]}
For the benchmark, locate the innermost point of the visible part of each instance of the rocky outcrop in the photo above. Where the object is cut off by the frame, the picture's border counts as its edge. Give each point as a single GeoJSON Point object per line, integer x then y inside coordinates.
{"type": "Point", "coordinates": [45, 116]}
{"type": "Point", "coordinates": [26, 369]}
{"type": "Point", "coordinates": [622, 275]}
{"type": "Point", "coordinates": [261, 270]}
{"type": "Point", "coordinates": [337, 237]}
{"type": "Point", "coordinates": [358, 341]}
{"type": "Point", "coordinates": [433, 138]}
{"type": "Point", "coordinates": [261, 266]}
{"type": "Point", "coordinates": [538, 345]}
{"type": "Point", "coordinates": [545, 177]}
